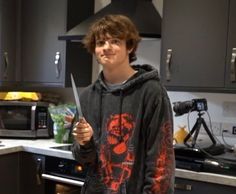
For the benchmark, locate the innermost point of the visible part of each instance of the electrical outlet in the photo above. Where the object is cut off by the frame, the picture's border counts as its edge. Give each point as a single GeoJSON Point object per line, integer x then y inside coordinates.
{"type": "Point", "coordinates": [214, 128]}
{"type": "Point", "coordinates": [229, 129]}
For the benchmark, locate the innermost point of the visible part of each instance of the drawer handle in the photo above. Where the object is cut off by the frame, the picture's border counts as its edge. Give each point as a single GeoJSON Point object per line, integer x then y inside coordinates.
{"type": "Point", "coordinates": [6, 62]}
{"type": "Point", "coordinates": [39, 171]}
{"type": "Point", "coordinates": [232, 67]}
{"type": "Point", "coordinates": [168, 64]}
{"type": "Point", "coordinates": [62, 180]}
{"type": "Point", "coordinates": [184, 187]}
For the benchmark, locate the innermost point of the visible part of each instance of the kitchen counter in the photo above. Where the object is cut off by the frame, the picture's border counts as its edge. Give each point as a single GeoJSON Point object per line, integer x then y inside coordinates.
{"type": "Point", "coordinates": [44, 147]}
{"type": "Point", "coordinates": [39, 146]}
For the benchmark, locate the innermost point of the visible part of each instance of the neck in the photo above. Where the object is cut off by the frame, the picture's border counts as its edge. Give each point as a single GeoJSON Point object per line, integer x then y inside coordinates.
{"type": "Point", "coordinates": [118, 74]}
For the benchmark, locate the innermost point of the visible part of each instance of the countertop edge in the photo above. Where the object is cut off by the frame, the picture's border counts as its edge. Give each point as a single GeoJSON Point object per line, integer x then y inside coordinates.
{"type": "Point", "coordinates": [206, 177]}
{"type": "Point", "coordinates": [49, 152]}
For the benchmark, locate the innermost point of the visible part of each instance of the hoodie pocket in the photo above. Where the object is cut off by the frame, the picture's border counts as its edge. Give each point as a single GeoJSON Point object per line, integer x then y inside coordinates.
{"type": "Point", "coordinates": [93, 186]}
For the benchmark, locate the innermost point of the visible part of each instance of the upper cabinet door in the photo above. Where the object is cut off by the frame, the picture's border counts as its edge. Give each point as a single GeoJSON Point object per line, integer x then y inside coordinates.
{"type": "Point", "coordinates": [194, 43]}
{"type": "Point", "coordinates": [231, 51]}
{"type": "Point", "coordinates": [8, 37]}
{"type": "Point", "coordinates": [42, 55]}
{"type": "Point", "coordinates": [45, 60]}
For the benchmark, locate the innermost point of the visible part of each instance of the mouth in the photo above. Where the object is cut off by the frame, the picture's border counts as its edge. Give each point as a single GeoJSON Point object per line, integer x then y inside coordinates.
{"type": "Point", "coordinates": [107, 55]}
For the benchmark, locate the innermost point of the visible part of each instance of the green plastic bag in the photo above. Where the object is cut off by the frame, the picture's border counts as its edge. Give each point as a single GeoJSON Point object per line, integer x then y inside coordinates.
{"type": "Point", "coordinates": [63, 117]}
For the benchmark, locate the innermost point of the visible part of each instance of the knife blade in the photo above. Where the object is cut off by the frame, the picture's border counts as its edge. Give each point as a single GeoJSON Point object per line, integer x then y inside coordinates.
{"type": "Point", "coordinates": [76, 96]}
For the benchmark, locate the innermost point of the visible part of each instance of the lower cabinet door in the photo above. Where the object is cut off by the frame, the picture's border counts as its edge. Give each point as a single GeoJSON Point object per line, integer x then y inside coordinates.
{"type": "Point", "coordinates": [30, 180]}
{"type": "Point", "coordinates": [9, 173]}
{"type": "Point", "coordinates": [185, 186]}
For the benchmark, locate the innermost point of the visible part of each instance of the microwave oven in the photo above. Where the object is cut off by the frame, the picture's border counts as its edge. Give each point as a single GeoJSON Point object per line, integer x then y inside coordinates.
{"type": "Point", "coordinates": [22, 119]}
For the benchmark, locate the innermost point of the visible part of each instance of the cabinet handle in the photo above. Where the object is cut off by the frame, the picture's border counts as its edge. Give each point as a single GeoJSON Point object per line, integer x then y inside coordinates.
{"type": "Point", "coordinates": [39, 171]}
{"type": "Point", "coordinates": [184, 187]}
{"type": "Point", "coordinates": [232, 67]}
{"type": "Point", "coordinates": [6, 62]}
{"type": "Point", "coordinates": [168, 64]}
{"type": "Point", "coordinates": [57, 63]}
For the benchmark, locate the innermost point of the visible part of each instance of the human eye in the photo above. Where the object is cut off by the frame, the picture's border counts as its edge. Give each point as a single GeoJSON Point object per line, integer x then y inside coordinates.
{"type": "Point", "coordinates": [115, 41]}
{"type": "Point", "coordinates": [100, 43]}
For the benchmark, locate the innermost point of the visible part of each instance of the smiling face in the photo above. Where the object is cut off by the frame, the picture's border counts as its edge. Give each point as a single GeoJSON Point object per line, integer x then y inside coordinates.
{"type": "Point", "coordinates": [108, 28]}
{"type": "Point", "coordinates": [111, 52]}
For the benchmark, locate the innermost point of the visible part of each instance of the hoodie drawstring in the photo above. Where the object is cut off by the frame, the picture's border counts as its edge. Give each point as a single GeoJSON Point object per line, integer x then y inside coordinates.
{"type": "Point", "coordinates": [100, 115]}
{"type": "Point", "coordinates": [120, 117]}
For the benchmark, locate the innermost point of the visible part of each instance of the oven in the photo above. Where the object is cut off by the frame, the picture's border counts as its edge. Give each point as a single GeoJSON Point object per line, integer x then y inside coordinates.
{"type": "Point", "coordinates": [62, 176]}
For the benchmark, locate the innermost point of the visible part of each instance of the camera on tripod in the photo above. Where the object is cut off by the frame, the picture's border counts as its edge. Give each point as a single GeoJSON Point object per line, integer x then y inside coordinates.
{"type": "Point", "coordinates": [199, 105]}
{"type": "Point", "coordinates": [181, 108]}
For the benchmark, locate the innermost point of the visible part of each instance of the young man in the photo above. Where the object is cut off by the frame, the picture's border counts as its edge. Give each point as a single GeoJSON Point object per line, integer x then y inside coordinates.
{"type": "Point", "coordinates": [125, 137]}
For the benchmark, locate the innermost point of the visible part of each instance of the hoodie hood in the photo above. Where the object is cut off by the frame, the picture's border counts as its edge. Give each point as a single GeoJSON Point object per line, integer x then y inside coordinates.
{"type": "Point", "coordinates": [145, 72]}
{"type": "Point", "coordinates": [141, 12]}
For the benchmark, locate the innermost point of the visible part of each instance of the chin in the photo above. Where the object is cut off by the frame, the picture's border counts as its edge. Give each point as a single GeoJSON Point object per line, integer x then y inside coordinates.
{"type": "Point", "coordinates": [106, 62]}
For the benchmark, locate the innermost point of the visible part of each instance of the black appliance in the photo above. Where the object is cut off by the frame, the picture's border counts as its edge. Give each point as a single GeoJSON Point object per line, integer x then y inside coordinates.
{"type": "Point", "coordinates": [62, 176]}
{"type": "Point", "coordinates": [22, 119]}
{"type": "Point", "coordinates": [141, 12]}
{"type": "Point", "coordinates": [199, 160]}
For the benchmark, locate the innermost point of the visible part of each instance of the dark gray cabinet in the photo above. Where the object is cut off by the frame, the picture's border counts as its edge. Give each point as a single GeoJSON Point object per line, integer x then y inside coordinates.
{"type": "Point", "coordinates": [8, 42]}
{"type": "Point", "coordinates": [45, 60]}
{"type": "Point", "coordinates": [30, 52]}
{"type": "Point", "coordinates": [185, 186]}
{"type": "Point", "coordinates": [42, 22]}
{"type": "Point", "coordinates": [231, 48]}
{"type": "Point", "coordinates": [195, 43]}
{"type": "Point", "coordinates": [21, 173]}
{"type": "Point", "coordinates": [9, 173]}
{"type": "Point", "coordinates": [31, 167]}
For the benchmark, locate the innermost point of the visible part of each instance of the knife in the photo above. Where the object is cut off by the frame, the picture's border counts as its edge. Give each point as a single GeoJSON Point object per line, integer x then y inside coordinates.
{"type": "Point", "coordinates": [77, 101]}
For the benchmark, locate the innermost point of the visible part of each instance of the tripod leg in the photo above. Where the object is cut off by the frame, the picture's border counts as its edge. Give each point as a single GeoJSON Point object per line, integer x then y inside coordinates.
{"type": "Point", "coordinates": [197, 129]}
{"type": "Point", "coordinates": [208, 132]}
{"type": "Point", "coordinates": [194, 130]}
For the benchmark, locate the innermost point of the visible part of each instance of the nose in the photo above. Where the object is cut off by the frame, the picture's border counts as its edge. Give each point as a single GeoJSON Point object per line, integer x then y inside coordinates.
{"type": "Point", "coordinates": [107, 44]}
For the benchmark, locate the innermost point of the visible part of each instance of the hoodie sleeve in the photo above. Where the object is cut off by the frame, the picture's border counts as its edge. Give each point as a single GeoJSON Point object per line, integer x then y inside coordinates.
{"type": "Point", "coordinates": [86, 154]}
{"type": "Point", "coordinates": [159, 160]}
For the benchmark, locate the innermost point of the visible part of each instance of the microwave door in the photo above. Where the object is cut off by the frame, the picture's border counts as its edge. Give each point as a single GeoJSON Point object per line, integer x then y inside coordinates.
{"type": "Point", "coordinates": [15, 118]}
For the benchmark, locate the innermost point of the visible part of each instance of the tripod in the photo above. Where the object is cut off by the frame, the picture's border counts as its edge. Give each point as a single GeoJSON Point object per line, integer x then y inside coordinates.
{"type": "Point", "coordinates": [196, 128]}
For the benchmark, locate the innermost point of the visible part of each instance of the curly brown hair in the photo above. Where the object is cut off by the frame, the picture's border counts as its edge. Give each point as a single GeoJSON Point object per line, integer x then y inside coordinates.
{"type": "Point", "coordinates": [117, 26]}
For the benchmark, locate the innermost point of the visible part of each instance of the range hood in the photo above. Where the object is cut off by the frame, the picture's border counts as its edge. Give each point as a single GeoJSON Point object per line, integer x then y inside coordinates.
{"type": "Point", "coordinates": [141, 12]}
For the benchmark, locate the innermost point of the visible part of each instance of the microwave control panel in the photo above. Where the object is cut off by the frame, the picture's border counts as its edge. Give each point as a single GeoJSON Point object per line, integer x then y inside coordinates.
{"type": "Point", "coordinates": [42, 118]}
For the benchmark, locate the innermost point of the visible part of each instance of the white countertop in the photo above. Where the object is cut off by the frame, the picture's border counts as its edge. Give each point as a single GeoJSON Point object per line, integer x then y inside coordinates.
{"type": "Point", "coordinates": [39, 146]}
{"type": "Point", "coordinates": [43, 146]}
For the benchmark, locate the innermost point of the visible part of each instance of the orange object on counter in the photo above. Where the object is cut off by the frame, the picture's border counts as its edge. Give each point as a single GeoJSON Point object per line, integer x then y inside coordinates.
{"type": "Point", "coordinates": [180, 134]}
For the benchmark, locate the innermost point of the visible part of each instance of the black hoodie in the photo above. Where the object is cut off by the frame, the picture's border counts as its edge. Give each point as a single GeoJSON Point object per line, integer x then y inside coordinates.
{"type": "Point", "coordinates": [131, 150]}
